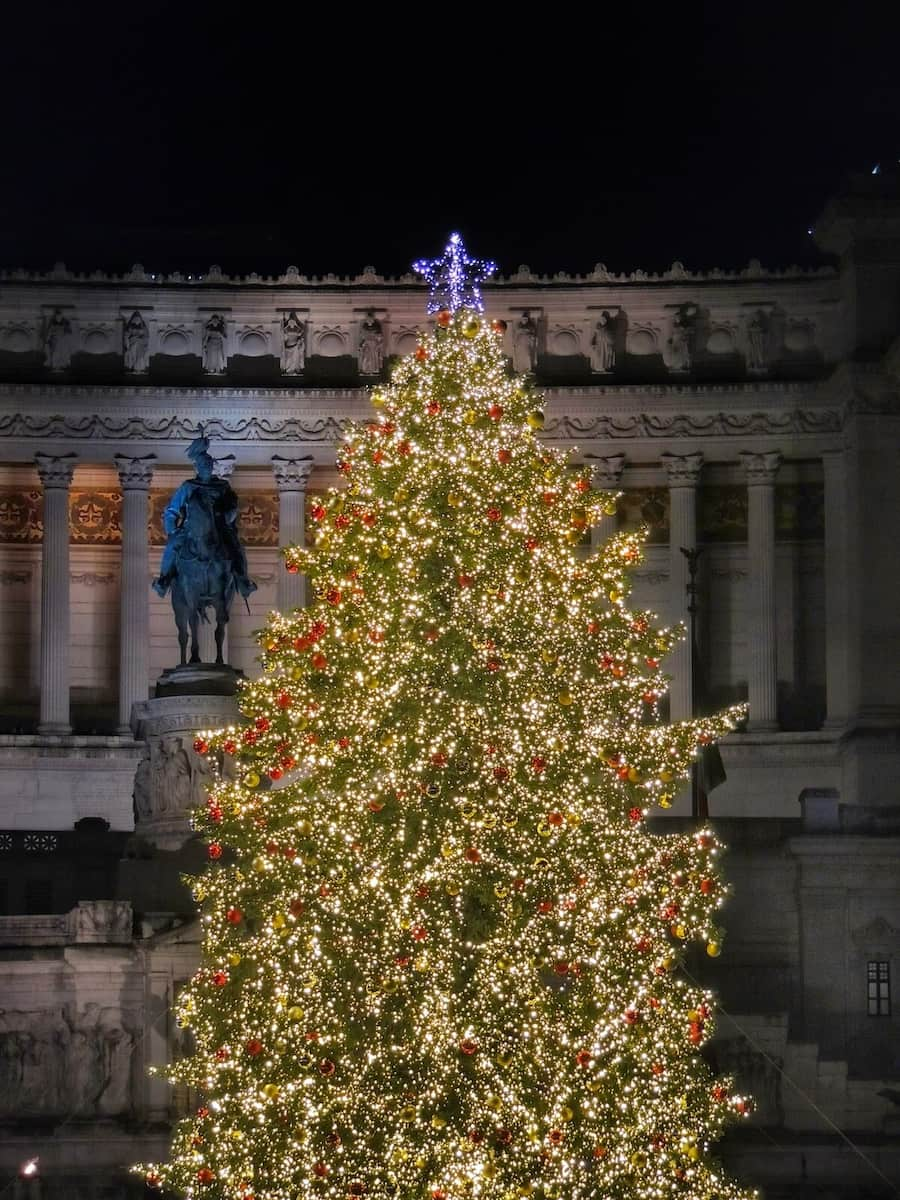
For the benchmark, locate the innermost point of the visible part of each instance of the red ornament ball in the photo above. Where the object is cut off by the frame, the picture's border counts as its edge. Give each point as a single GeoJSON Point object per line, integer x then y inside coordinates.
{"type": "Point", "coordinates": [444, 318]}
{"type": "Point", "coordinates": [538, 764]}
{"type": "Point", "coordinates": [326, 1067]}
{"type": "Point", "coordinates": [494, 514]}
{"type": "Point", "coordinates": [220, 978]}
{"type": "Point", "coordinates": [201, 745]}
{"type": "Point", "coordinates": [555, 818]}
{"type": "Point", "coordinates": [253, 1047]}
{"type": "Point", "coordinates": [468, 1047]}
{"type": "Point", "coordinates": [215, 850]}
{"type": "Point", "coordinates": [234, 916]}
{"type": "Point", "coordinates": [495, 412]}
{"type": "Point", "coordinates": [421, 354]}
{"type": "Point", "coordinates": [473, 854]}
{"type": "Point", "coordinates": [205, 1176]}
{"type": "Point", "coordinates": [284, 700]}
{"type": "Point", "coordinates": [504, 456]}
{"type": "Point", "coordinates": [319, 661]}
{"type": "Point", "coordinates": [499, 327]}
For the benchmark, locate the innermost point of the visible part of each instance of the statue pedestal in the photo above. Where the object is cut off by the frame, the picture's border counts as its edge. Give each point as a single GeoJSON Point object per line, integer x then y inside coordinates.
{"type": "Point", "coordinates": [199, 679]}
{"type": "Point", "coordinates": [171, 778]}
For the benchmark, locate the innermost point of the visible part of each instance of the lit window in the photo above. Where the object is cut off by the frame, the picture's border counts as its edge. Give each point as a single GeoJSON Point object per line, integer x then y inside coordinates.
{"type": "Point", "coordinates": [879, 988]}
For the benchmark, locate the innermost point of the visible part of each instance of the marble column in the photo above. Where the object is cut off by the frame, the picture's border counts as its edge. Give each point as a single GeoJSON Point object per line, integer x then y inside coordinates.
{"type": "Point", "coordinates": [683, 471]}
{"type": "Point", "coordinates": [291, 478]}
{"type": "Point", "coordinates": [135, 476]}
{"type": "Point", "coordinates": [762, 672]}
{"type": "Point", "coordinates": [838, 573]}
{"type": "Point", "coordinates": [606, 477]}
{"type": "Point", "coordinates": [56, 478]}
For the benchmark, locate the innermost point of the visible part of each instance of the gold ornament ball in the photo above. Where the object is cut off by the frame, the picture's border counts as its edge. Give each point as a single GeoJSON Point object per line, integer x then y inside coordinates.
{"type": "Point", "coordinates": [713, 949]}
{"type": "Point", "coordinates": [470, 327]}
{"type": "Point", "coordinates": [535, 419]}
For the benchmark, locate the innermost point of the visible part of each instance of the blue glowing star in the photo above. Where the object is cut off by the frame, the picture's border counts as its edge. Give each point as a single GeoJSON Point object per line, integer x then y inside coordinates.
{"type": "Point", "coordinates": [454, 277]}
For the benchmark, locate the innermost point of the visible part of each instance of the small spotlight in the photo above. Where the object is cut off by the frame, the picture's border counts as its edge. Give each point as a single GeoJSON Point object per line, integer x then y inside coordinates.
{"type": "Point", "coordinates": [876, 170]}
{"type": "Point", "coordinates": [29, 1169]}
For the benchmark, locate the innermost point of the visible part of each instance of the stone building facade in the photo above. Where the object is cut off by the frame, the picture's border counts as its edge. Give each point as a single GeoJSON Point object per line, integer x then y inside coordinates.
{"type": "Point", "coordinates": [752, 414]}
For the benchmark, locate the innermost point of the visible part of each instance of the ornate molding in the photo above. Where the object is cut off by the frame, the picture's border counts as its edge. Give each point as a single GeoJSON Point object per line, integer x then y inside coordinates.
{"type": "Point", "coordinates": [329, 429]}
{"type": "Point", "coordinates": [683, 470]}
{"type": "Point", "coordinates": [291, 474]}
{"type": "Point", "coordinates": [7, 577]}
{"type": "Point", "coordinates": [92, 579]}
{"type": "Point", "coordinates": [760, 469]}
{"type": "Point", "coordinates": [55, 472]}
{"type": "Point", "coordinates": [693, 425]}
{"type": "Point", "coordinates": [135, 474]}
{"type": "Point", "coordinates": [174, 428]}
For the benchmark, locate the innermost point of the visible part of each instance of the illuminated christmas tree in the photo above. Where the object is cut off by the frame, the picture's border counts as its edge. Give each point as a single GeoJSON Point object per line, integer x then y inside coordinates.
{"type": "Point", "coordinates": [442, 951]}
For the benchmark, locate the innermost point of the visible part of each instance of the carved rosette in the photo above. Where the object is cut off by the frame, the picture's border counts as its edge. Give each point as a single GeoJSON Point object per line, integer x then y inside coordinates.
{"type": "Point", "coordinates": [683, 470]}
{"type": "Point", "coordinates": [55, 472]}
{"type": "Point", "coordinates": [291, 474]}
{"type": "Point", "coordinates": [760, 469]}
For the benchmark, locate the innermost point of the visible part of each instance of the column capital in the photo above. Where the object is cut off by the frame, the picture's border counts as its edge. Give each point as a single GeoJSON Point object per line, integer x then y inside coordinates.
{"type": "Point", "coordinates": [224, 467]}
{"type": "Point", "coordinates": [55, 471]}
{"type": "Point", "coordinates": [135, 474]}
{"type": "Point", "coordinates": [760, 469]}
{"type": "Point", "coordinates": [606, 470]}
{"type": "Point", "coordinates": [683, 470]}
{"type": "Point", "coordinates": [291, 474]}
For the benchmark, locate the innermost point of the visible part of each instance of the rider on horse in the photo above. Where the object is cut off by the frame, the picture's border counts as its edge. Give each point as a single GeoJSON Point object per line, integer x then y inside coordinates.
{"type": "Point", "coordinates": [203, 511]}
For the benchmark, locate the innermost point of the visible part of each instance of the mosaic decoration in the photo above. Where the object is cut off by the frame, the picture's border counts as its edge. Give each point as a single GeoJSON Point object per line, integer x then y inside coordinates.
{"type": "Point", "coordinates": [21, 516]}
{"type": "Point", "coordinates": [722, 513]}
{"type": "Point", "coordinates": [95, 518]}
{"type": "Point", "coordinates": [800, 512]}
{"type": "Point", "coordinates": [645, 506]}
{"type": "Point", "coordinates": [257, 517]}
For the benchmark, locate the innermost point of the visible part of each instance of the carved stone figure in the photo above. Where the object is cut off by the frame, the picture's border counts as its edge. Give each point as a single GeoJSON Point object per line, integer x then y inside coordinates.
{"type": "Point", "coordinates": [57, 346]}
{"type": "Point", "coordinates": [525, 343]}
{"type": "Point", "coordinates": [758, 341]}
{"type": "Point", "coordinates": [681, 340]}
{"type": "Point", "coordinates": [115, 1049]}
{"type": "Point", "coordinates": [371, 345]}
{"type": "Point", "coordinates": [143, 800]}
{"type": "Point", "coordinates": [204, 561]}
{"type": "Point", "coordinates": [603, 344]}
{"type": "Point", "coordinates": [173, 778]}
{"type": "Point", "coordinates": [293, 341]}
{"type": "Point", "coordinates": [136, 344]}
{"type": "Point", "coordinates": [214, 359]}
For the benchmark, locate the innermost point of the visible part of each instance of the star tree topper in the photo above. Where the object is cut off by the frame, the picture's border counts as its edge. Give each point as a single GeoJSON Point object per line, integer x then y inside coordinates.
{"type": "Point", "coordinates": [454, 277]}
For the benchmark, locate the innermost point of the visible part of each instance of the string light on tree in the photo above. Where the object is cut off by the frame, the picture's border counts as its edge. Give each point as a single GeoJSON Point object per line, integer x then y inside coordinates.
{"type": "Point", "coordinates": [441, 948]}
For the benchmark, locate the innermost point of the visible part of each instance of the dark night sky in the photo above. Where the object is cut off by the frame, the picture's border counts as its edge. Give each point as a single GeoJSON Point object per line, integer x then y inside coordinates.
{"type": "Point", "coordinates": [181, 134]}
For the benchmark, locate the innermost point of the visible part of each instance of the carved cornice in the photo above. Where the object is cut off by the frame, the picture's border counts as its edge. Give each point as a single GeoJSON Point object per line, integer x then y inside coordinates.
{"type": "Point", "coordinates": [683, 470]}
{"type": "Point", "coordinates": [760, 469]}
{"type": "Point", "coordinates": [369, 278]}
{"type": "Point", "coordinates": [291, 474]}
{"type": "Point", "coordinates": [135, 474]}
{"type": "Point", "coordinates": [693, 425]}
{"type": "Point", "coordinates": [329, 429]}
{"type": "Point", "coordinates": [55, 472]}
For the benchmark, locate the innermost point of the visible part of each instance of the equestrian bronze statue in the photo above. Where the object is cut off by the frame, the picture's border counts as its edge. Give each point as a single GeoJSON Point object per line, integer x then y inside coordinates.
{"type": "Point", "coordinates": [204, 563]}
